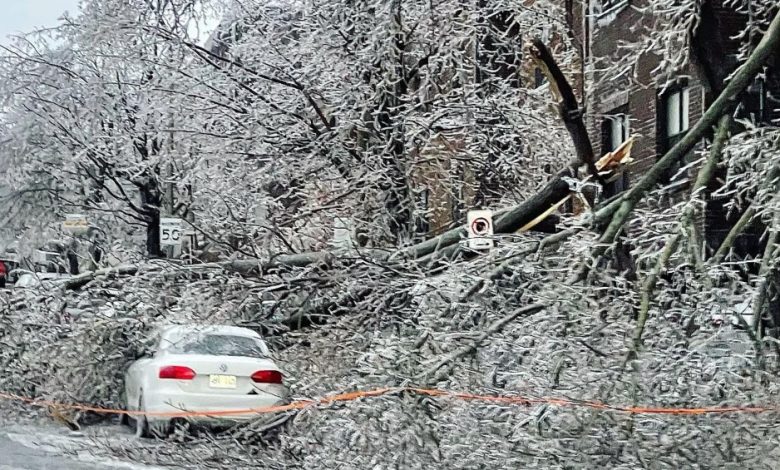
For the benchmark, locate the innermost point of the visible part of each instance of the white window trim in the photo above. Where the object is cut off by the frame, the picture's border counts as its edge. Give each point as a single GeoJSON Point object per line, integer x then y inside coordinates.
{"type": "Point", "coordinates": [624, 121]}
{"type": "Point", "coordinates": [683, 111]}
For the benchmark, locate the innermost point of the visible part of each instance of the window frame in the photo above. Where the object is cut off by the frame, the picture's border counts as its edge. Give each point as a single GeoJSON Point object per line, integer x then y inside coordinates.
{"type": "Point", "coordinates": [666, 140]}
{"type": "Point", "coordinates": [683, 95]}
{"type": "Point", "coordinates": [618, 116]}
{"type": "Point", "coordinates": [423, 219]}
{"type": "Point", "coordinates": [756, 92]}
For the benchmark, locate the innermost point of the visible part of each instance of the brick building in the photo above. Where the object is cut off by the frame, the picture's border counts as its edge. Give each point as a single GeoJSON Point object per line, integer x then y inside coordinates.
{"type": "Point", "coordinates": [657, 109]}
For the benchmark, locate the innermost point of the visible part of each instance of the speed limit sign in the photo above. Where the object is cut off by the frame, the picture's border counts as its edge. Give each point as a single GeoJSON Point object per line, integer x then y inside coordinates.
{"type": "Point", "coordinates": [170, 232]}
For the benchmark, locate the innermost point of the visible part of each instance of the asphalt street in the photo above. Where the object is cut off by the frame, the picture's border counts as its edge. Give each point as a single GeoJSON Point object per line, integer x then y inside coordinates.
{"type": "Point", "coordinates": [50, 448]}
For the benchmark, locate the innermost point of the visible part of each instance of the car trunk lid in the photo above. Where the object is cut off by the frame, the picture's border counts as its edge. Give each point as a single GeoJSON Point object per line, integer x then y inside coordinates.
{"type": "Point", "coordinates": [223, 375]}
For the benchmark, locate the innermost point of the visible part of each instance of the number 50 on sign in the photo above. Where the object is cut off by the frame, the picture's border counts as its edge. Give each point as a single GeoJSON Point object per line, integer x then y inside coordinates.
{"type": "Point", "coordinates": [170, 232]}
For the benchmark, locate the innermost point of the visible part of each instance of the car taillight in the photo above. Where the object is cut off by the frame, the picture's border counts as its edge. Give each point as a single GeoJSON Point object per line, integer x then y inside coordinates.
{"type": "Point", "coordinates": [177, 372]}
{"type": "Point", "coordinates": [267, 377]}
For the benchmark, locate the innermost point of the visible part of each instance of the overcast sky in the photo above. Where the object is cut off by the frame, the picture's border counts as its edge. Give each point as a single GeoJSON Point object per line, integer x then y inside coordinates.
{"type": "Point", "coordinates": [25, 15]}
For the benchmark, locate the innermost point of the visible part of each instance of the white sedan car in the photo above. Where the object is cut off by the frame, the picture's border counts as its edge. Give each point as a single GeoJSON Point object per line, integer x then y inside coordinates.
{"type": "Point", "coordinates": [28, 279]}
{"type": "Point", "coordinates": [213, 368]}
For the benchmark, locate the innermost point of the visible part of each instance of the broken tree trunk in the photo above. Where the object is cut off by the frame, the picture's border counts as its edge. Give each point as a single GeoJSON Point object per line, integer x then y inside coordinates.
{"type": "Point", "coordinates": [244, 267]}
{"type": "Point", "coordinates": [511, 221]}
{"type": "Point", "coordinates": [569, 108]}
{"type": "Point", "coordinates": [537, 209]}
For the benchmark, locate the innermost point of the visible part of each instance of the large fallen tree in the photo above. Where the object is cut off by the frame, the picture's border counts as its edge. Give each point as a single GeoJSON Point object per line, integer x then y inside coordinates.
{"type": "Point", "coordinates": [534, 212]}
{"type": "Point", "coordinates": [613, 216]}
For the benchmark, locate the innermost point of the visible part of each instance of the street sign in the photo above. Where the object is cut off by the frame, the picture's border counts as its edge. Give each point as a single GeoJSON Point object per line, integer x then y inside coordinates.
{"type": "Point", "coordinates": [480, 229]}
{"type": "Point", "coordinates": [75, 224]}
{"type": "Point", "coordinates": [170, 232]}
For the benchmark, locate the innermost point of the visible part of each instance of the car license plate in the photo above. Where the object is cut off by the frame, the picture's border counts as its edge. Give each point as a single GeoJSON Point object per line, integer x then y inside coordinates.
{"type": "Point", "coordinates": [222, 381]}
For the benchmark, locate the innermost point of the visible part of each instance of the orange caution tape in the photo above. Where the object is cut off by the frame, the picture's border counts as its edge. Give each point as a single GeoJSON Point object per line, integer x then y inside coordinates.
{"type": "Point", "coordinates": [352, 396]}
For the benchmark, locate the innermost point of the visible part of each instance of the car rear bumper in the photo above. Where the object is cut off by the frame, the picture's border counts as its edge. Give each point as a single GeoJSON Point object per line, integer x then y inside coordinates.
{"type": "Point", "coordinates": [210, 407]}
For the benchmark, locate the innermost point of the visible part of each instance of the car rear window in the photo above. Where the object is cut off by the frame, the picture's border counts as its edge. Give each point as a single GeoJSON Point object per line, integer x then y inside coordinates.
{"type": "Point", "coordinates": [220, 345]}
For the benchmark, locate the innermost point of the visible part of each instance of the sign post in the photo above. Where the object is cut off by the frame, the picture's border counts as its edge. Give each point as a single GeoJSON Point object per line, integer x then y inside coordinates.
{"type": "Point", "coordinates": [480, 229]}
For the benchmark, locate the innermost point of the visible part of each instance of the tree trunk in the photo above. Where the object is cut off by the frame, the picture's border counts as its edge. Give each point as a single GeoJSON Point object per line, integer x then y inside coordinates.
{"type": "Point", "coordinates": [569, 109]}
{"type": "Point", "coordinates": [507, 221]}
{"type": "Point", "coordinates": [150, 202]}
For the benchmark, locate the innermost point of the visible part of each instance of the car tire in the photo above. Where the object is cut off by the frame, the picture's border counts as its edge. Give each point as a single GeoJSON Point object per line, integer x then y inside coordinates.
{"type": "Point", "coordinates": [141, 422]}
{"type": "Point", "coordinates": [181, 426]}
{"type": "Point", "coordinates": [124, 418]}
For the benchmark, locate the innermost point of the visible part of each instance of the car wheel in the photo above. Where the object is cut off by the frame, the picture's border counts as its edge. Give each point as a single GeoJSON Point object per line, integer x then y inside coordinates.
{"type": "Point", "coordinates": [180, 426]}
{"type": "Point", "coordinates": [141, 422]}
{"type": "Point", "coordinates": [124, 418]}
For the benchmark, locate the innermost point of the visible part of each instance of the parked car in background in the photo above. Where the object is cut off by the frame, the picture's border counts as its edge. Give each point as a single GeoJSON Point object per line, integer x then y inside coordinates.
{"type": "Point", "coordinates": [28, 279]}
{"type": "Point", "coordinates": [211, 368]}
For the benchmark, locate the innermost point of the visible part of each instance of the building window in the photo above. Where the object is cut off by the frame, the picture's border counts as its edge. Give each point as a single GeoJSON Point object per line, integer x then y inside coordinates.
{"type": "Point", "coordinates": [753, 106]}
{"type": "Point", "coordinates": [615, 131]}
{"type": "Point", "coordinates": [618, 131]}
{"type": "Point", "coordinates": [673, 123]}
{"type": "Point", "coordinates": [539, 78]}
{"type": "Point", "coordinates": [422, 221]}
{"type": "Point", "coordinates": [676, 107]}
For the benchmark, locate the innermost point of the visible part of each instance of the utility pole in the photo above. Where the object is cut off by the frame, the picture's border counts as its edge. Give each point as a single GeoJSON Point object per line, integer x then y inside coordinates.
{"type": "Point", "coordinates": [170, 251]}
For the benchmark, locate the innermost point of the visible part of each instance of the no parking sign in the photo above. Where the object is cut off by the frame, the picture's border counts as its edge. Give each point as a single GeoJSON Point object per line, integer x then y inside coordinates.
{"type": "Point", "coordinates": [480, 229]}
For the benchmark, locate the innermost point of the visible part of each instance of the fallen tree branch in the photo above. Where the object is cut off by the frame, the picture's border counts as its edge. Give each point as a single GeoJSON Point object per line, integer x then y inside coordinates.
{"type": "Point", "coordinates": [243, 267]}
{"type": "Point", "coordinates": [496, 327]}
{"type": "Point", "coordinates": [569, 108]}
{"type": "Point", "coordinates": [703, 179]}
{"type": "Point", "coordinates": [511, 221]}
{"type": "Point", "coordinates": [87, 277]}
{"type": "Point", "coordinates": [239, 266]}
{"type": "Point", "coordinates": [766, 273]}
{"type": "Point", "coordinates": [731, 237]}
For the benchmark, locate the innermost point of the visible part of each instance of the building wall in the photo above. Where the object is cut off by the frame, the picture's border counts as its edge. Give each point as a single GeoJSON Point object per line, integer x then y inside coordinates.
{"type": "Point", "coordinates": [435, 174]}
{"type": "Point", "coordinates": [641, 94]}
{"type": "Point", "coordinates": [713, 59]}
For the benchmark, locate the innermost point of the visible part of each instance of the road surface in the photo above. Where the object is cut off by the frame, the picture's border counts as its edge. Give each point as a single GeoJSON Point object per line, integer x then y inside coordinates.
{"type": "Point", "coordinates": [50, 448]}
